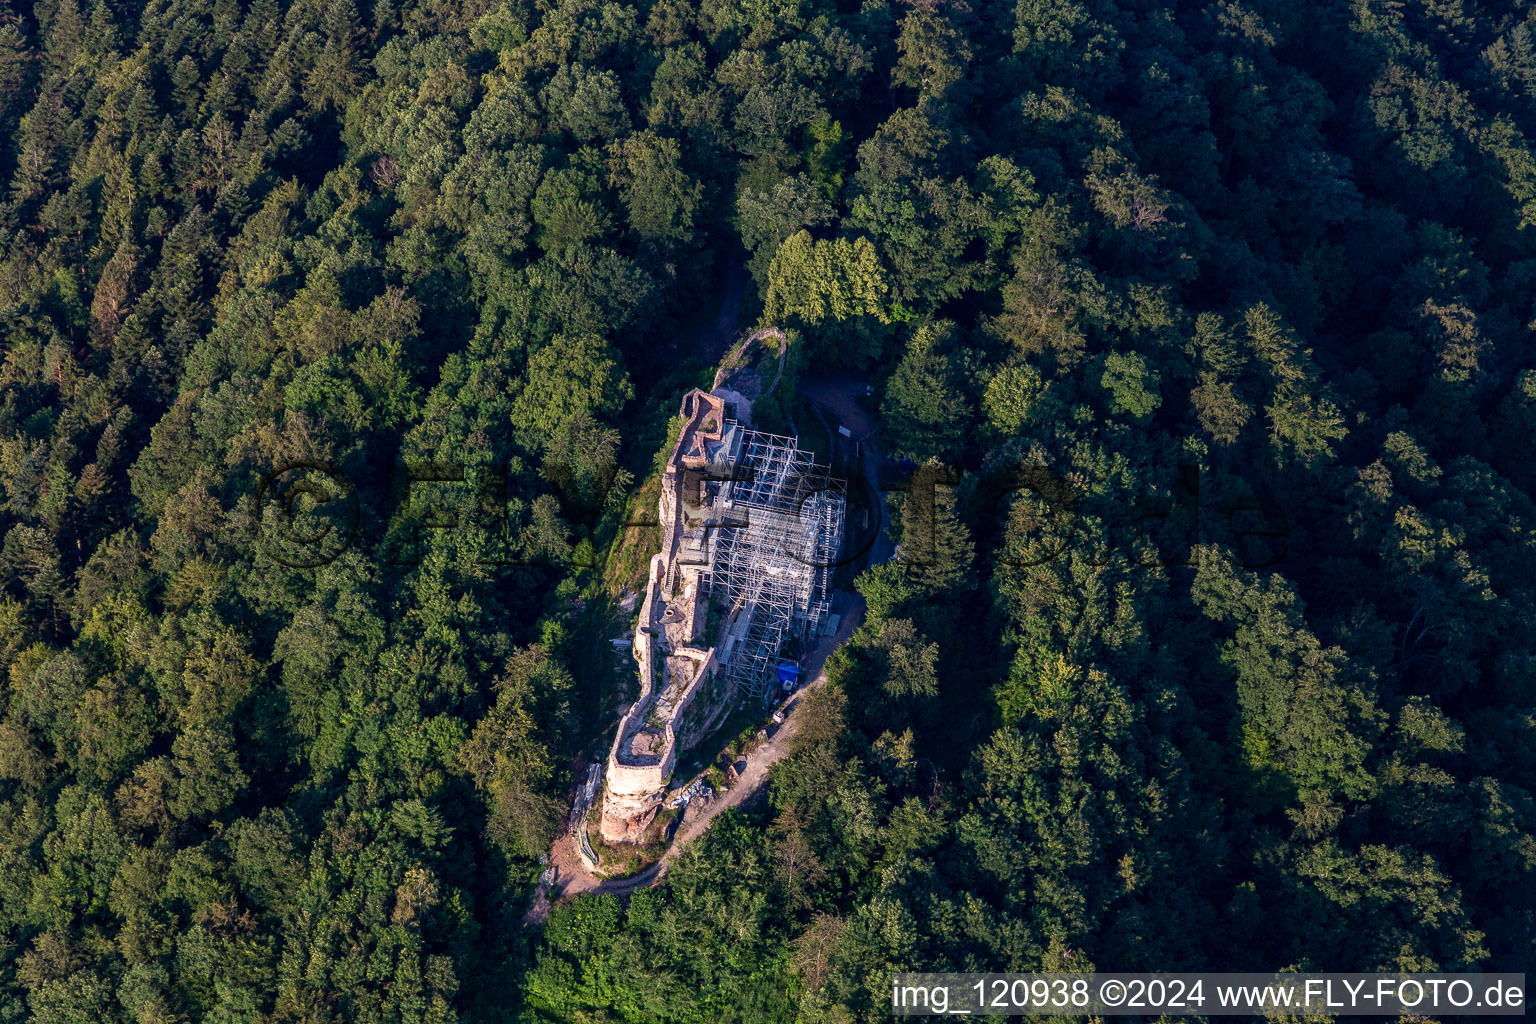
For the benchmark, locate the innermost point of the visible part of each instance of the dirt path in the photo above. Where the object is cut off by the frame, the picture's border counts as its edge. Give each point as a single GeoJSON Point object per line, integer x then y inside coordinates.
{"type": "Point", "coordinates": [711, 339]}
{"type": "Point", "coordinates": [840, 396]}
{"type": "Point", "coordinates": [572, 877]}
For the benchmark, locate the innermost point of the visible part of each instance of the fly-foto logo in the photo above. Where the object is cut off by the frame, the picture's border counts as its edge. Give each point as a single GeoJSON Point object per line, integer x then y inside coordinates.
{"type": "Point", "coordinates": [308, 513]}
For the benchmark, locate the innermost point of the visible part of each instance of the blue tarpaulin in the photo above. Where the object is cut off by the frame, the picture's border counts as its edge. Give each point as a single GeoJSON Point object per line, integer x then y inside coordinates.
{"type": "Point", "coordinates": [789, 672]}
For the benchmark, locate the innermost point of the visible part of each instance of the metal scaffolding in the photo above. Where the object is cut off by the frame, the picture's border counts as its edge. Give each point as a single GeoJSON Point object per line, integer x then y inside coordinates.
{"type": "Point", "coordinates": [778, 529]}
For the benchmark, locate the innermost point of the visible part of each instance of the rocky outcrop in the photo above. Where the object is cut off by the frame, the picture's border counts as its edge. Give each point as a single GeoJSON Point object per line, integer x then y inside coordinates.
{"type": "Point", "coordinates": [672, 668]}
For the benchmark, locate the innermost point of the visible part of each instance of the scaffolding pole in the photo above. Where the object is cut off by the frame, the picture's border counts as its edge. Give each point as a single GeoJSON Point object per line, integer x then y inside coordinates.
{"type": "Point", "coordinates": [774, 550]}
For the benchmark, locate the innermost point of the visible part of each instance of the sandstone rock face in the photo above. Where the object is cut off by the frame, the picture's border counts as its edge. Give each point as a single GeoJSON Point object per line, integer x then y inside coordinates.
{"type": "Point", "coordinates": [709, 486]}
{"type": "Point", "coordinates": [683, 693]}
{"type": "Point", "coordinates": [634, 796]}
{"type": "Point", "coordinates": [671, 668]}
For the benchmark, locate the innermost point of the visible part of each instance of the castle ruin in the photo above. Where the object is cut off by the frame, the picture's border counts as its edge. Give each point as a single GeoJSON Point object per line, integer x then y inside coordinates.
{"type": "Point", "coordinates": [751, 526]}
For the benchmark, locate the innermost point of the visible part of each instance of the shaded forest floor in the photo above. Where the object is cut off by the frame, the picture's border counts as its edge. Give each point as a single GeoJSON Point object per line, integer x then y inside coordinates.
{"type": "Point", "coordinates": [708, 340]}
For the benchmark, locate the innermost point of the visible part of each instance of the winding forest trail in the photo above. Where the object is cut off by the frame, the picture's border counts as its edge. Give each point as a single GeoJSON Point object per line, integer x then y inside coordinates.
{"type": "Point", "coordinates": [712, 339]}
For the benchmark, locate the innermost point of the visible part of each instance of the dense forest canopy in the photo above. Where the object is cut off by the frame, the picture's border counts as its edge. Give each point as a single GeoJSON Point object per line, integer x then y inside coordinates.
{"type": "Point", "coordinates": [1251, 284]}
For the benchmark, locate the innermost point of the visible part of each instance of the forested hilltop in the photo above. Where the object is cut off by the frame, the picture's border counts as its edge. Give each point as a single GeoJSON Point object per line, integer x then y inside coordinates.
{"type": "Point", "coordinates": [1211, 642]}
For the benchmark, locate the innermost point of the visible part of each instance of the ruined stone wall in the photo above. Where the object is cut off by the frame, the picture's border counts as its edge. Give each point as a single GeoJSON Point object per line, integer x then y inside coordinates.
{"type": "Point", "coordinates": [702, 675]}
{"type": "Point", "coordinates": [633, 796]}
{"type": "Point", "coordinates": [632, 792]}
{"type": "Point", "coordinates": [717, 702]}
{"type": "Point", "coordinates": [635, 791]}
{"type": "Point", "coordinates": [636, 785]}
